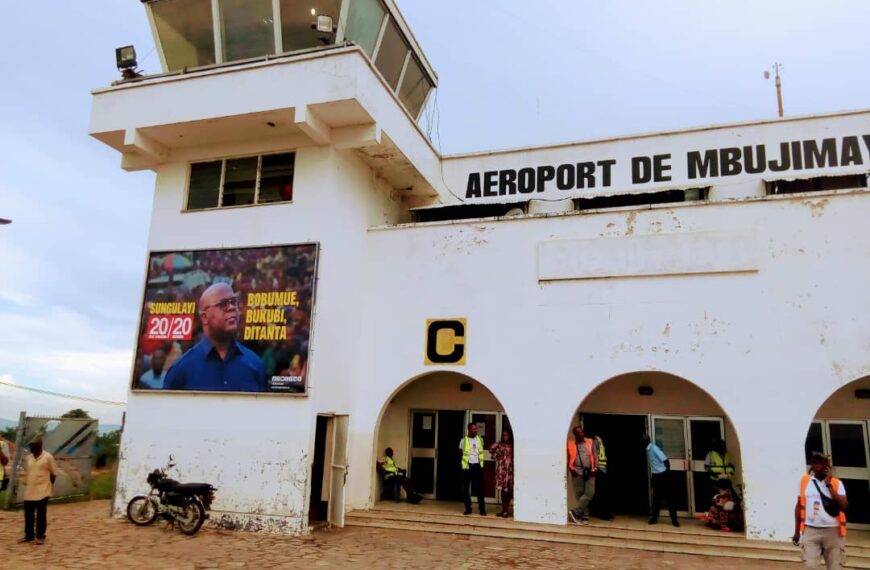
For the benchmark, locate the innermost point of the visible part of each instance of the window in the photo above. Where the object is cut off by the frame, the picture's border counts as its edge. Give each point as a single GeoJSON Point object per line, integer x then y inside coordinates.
{"type": "Point", "coordinates": [241, 181]}
{"type": "Point", "coordinates": [415, 87]}
{"type": "Point", "coordinates": [364, 23]}
{"type": "Point", "coordinates": [643, 199]}
{"type": "Point", "coordinates": [186, 32]}
{"type": "Point", "coordinates": [817, 184]}
{"type": "Point", "coordinates": [248, 28]}
{"type": "Point", "coordinates": [296, 20]}
{"type": "Point", "coordinates": [392, 54]}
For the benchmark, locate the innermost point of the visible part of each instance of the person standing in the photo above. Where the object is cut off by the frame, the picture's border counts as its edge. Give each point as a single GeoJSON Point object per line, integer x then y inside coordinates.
{"type": "Point", "coordinates": [660, 472]}
{"type": "Point", "coordinates": [583, 465]}
{"type": "Point", "coordinates": [41, 472]}
{"type": "Point", "coordinates": [600, 506]}
{"type": "Point", "coordinates": [503, 454]}
{"type": "Point", "coordinates": [819, 518]}
{"type": "Point", "coordinates": [471, 447]}
{"type": "Point", "coordinates": [5, 462]}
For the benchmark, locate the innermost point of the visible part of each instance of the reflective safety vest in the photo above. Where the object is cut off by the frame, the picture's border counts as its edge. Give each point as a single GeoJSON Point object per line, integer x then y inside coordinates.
{"type": "Point", "coordinates": [389, 466]}
{"type": "Point", "coordinates": [466, 451]}
{"type": "Point", "coordinates": [719, 465]}
{"type": "Point", "coordinates": [835, 483]}
{"type": "Point", "coordinates": [572, 453]}
{"type": "Point", "coordinates": [602, 456]}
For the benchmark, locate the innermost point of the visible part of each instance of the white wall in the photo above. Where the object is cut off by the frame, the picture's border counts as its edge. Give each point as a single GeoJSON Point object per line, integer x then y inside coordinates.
{"type": "Point", "coordinates": [768, 345]}
{"type": "Point", "coordinates": [257, 449]}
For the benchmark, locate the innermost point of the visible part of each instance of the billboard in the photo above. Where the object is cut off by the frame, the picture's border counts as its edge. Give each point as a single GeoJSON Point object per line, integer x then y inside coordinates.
{"type": "Point", "coordinates": [227, 320]}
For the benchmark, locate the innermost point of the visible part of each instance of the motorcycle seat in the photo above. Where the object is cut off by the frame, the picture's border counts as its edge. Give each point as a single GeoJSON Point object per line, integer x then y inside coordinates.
{"type": "Point", "coordinates": [193, 488]}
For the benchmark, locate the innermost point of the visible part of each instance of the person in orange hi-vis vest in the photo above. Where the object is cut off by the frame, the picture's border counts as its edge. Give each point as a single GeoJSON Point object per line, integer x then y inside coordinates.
{"type": "Point", "coordinates": [819, 517]}
{"type": "Point", "coordinates": [582, 465]}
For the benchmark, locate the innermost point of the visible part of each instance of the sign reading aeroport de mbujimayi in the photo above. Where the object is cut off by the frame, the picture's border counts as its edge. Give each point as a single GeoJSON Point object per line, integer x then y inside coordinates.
{"type": "Point", "coordinates": [695, 165]}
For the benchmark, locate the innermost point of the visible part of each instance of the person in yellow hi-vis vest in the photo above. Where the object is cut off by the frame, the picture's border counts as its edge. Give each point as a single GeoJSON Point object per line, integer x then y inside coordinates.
{"type": "Point", "coordinates": [471, 447]}
{"type": "Point", "coordinates": [819, 517]}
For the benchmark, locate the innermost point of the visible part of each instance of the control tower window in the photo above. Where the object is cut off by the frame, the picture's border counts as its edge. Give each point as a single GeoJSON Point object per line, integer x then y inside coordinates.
{"type": "Point", "coordinates": [296, 20]}
{"type": "Point", "coordinates": [185, 30]}
{"type": "Point", "coordinates": [364, 23]}
{"type": "Point", "coordinates": [392, 54]}
{"type": "Point", "coordinates": [248, 29]}
{"type": "Point", "coordinates": [415, 87]}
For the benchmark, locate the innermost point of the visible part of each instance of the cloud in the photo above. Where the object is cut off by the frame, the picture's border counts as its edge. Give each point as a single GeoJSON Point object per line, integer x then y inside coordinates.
{"type": "Point", "coordinates": [61, 350]}
{"type": "Point", "coordinates": [15, 400]}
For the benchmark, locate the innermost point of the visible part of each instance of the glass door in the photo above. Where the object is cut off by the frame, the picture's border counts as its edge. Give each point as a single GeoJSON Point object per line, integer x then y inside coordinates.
{"type": "Point", "coordinates": [422, 467]}
{"type": "Point", "coordinates": [847, 443]}
{"type": "Point", "coordinates": [851, 460]}
{"type": "Point", "coordinates": [669, 433]}
{"type": "Point", "coordinates": [703, 432]}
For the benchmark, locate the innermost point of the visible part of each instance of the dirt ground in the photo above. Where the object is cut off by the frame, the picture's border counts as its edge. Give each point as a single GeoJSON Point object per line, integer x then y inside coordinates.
{"type": "Point", "coordinates": [83, 536]}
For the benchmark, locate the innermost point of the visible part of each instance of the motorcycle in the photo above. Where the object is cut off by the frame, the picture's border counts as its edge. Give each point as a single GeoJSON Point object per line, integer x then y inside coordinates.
{"type": "Point", "coordinates": [182, 504]}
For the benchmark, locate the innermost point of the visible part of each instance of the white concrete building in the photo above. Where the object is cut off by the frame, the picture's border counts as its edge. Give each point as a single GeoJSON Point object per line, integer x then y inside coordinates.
{"type": "Point", "coordinates": [691, 284]}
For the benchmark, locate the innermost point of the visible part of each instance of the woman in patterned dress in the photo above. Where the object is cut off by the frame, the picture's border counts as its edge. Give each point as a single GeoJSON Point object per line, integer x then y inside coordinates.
{"type": "Point", "coordinates": [503, 454]}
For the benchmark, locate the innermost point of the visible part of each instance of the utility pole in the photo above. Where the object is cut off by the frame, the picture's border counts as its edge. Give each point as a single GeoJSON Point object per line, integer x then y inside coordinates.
{"type": "Point", "coordinates": [776, 67]}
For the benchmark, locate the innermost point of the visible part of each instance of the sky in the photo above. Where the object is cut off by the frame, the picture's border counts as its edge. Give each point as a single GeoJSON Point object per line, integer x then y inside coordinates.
{"type": "Point", "coordinates": [512, 73]}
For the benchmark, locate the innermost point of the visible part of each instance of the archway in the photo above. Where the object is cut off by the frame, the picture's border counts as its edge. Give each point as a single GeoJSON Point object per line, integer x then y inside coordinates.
{"type": "Point", "coordinates": [423, 422]}
{"type": "Point", "coordinates": [841, 430]}
{"type": "Point", "coordinates": [680, 417]}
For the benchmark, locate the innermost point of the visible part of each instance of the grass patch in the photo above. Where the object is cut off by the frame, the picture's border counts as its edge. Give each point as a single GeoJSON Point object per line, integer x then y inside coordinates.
{"type": "Point", "coordinates": [103, 485]}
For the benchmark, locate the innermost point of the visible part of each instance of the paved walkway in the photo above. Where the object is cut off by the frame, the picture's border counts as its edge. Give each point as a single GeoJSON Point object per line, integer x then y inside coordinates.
{"type": "Point", "coordinates": [82, 536]}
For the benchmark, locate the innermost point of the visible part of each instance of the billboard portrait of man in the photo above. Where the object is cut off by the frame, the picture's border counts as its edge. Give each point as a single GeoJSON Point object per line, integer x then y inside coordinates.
{"type": "Point", "coordinates": [227, 320]}
{"type": "Point", "coordinates": [218, 362]}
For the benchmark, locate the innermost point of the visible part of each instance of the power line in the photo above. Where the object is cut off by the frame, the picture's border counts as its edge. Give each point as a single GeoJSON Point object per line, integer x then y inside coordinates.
{"type": "Point", "coordinates": [59, 395]}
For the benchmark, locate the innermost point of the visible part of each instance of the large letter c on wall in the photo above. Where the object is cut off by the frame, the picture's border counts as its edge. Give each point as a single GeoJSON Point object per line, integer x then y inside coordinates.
{"type": "Point", "coordinates": [445, 341]}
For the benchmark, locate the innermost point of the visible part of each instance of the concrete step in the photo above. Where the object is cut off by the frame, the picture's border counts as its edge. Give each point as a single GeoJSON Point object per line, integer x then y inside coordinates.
{"type": "Point", "coordinates": [662, 538]}
{"type": "Point", "coordinates": [662, 532]}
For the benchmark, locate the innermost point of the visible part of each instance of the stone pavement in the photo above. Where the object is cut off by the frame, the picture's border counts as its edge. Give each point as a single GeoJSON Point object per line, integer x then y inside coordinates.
{"type": "Point", "coordinates": [82, 536]}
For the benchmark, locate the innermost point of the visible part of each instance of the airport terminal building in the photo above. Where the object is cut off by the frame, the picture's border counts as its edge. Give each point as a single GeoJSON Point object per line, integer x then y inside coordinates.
{"type": "Point", "coordinates": [693, 284]}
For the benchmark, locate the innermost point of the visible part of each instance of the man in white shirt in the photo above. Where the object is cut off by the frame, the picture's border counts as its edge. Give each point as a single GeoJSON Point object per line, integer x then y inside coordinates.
{"type": "Point", "coordinates": [471, 448]}
{"type": "Point", "coordinates": [41, 471]}
{"type": "Point", "coordinates": [819, 519]}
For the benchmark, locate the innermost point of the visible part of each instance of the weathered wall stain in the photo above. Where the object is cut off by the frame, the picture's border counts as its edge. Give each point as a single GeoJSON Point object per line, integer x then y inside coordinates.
{"type": "Point", "coordinates": [817, 207]}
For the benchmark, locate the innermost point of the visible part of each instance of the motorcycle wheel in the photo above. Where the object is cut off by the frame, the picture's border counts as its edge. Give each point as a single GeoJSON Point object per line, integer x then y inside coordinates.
{"type": "Point", "coordinates": [191, 518]}
{"type": "Point", "coordinates": [142, 511]}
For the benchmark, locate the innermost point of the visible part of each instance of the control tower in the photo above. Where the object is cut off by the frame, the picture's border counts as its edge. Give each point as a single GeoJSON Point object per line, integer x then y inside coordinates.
{"type": "Point", "coordinates": [271, 122]}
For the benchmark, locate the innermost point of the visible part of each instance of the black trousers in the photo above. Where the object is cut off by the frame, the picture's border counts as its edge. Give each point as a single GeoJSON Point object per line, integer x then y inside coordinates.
{"type": "Point", "coordinates": [474, 476]}
{"type": "Point", "coordinates": [35, 512]}
{"type": "Point", "coordinates": [600, 505]}
{"type": "Point", "coordinates": [661, 491]}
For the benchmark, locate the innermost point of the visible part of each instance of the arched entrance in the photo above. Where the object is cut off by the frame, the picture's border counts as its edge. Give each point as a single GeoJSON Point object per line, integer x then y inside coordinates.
{"type": "Point", "coordinates": [680, 417]}
{"type": "Point", "coordinates": [841, 430]}
{"type": "Point", "coordinates": [424, 421]}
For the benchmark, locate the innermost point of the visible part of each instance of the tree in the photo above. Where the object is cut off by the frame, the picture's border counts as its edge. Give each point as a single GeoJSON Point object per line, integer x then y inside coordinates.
{"type": "Point", "coordinates": [77, 413]}
{"type": "Point", "coordinates": [9, 433]}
